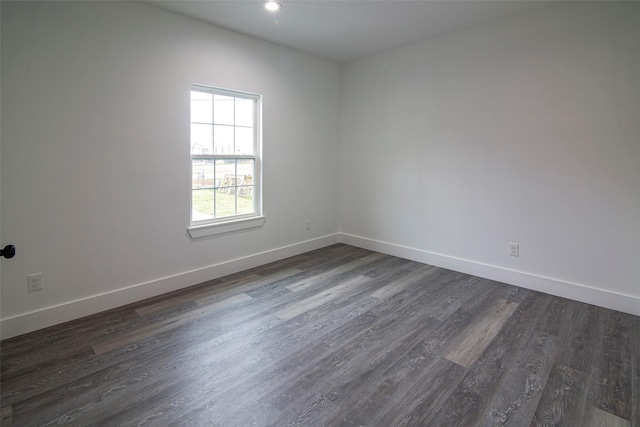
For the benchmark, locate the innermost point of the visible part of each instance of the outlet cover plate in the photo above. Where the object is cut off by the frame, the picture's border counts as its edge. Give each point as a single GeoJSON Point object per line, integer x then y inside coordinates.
{"type": "Point", "coordinates": [514, 249]}
{"type": "Point", "coordinates": [34, 282]}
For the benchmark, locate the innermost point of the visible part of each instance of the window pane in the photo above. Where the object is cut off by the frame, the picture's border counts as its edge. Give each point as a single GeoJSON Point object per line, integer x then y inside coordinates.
{"type": "Point", "coordinates": [226, 188]}
{"type": "Point", "coordinates": [246, 171]}
{"type": "Point", "coordinates": [225, 174]}
{"type": "Point", "coordinates": [201, 139]}
{"type": "Point", "coordinates": [234, 188]}
{"type": "Point", "coordinates": [223, 139]}
{"type": "Point", "coordinates": [225, 203]}
{"type": "Point", "coordinates": [202, 204]}
{"type": "Point", "coordinates": [244, 112]}
{"type": "Point", "coordinates": [223, 110]}
{"type": "Point", "coordinates": [202, 173]}
{"type": "Point", "coordinates": [244, 141]}
{"type": "Point", "coordinates": [201, 107]}
{"type": "Point", "coordinates": [245, 200]}
{"type": "Point", "coordinates": [245, 190]}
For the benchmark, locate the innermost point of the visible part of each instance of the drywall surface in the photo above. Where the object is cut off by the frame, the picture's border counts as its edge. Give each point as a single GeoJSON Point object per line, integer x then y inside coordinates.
{"type": "Point", "coordinates": [525, 130]}
{"type": "Point", "coordinates": [95, 147]}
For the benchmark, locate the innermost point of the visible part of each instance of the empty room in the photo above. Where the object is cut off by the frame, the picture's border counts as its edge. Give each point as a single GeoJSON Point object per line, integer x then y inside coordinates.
{"type": "Point", "coordinates": [320, 213]}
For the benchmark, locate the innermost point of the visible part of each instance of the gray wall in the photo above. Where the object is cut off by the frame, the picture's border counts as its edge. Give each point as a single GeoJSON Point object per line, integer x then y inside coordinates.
{"type": "Point", "coordinates": [95, 152]}
{"type": "Point", "coordinates": [524, 130]}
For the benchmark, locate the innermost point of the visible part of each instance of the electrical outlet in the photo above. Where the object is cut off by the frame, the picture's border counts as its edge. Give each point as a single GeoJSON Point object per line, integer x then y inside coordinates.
{"type": "Point", "coordinates": [514, 249]}
{"type": "Point", "coordinates": [307, 225]}
{"type": "Point", "coordinates": [34, 282]}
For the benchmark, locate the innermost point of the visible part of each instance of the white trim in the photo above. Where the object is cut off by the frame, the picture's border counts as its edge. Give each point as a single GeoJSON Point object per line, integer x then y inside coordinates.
{"type": "Point", "coordinates": [549, 285]}
{"type": "Point", "coordinates": [256, 157]}
{"type": "Point", "coordinates": [215, 90]}
{"type": "Point", "coordinates": [49, 316]}
{"type": "Point", "coordinates": [225, 227]}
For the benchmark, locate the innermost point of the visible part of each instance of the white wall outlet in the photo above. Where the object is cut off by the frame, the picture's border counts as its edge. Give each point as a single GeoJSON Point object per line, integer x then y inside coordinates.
{"type": "Point", "coordinates": [307, 225]}
{"type": "Point", "coordinates": [34, 282]}
{"type": "Point", "coordinates": [514, 249]}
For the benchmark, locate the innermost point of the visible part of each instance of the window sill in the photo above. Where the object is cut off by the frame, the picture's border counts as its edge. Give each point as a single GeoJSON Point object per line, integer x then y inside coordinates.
{"type": "Point", "coordinates": [225, 227]}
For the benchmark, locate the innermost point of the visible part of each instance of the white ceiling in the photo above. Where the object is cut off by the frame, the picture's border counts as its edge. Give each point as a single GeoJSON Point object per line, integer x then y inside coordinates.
{"type": "Point", "coordinates": [342, 30]}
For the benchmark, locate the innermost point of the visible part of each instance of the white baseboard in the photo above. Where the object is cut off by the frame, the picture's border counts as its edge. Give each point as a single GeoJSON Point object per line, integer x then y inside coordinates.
{"type": "Point", "coordinates": [575, 291]}
{"type": "Point", "coordinates": [49, 316]}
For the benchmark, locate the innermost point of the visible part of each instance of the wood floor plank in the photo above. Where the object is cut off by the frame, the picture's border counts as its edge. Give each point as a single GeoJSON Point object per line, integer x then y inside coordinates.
{"type": "Point", "coordinates": [521, 388]}
{"type": "Point", "coordinates": [162, 326]}
{"type": "Point", "coordinates": [560, 398]}
{"type": "Point", "coordinates": [434, 388]}
{"type": "Point", "coordinates": [67, 330]}
{"type": "Point", "coordinates": [474, 340]}
{"type": "Point", "coordinates": [388, 264]}
{"type": "Point", "coordinates": [54, 378]}
{"type": "Point", "coordinates": [561, 314]}
{"type": "Point", "coordinates": [492, 292]}
{"type": "Point", "coordinates": [362, 333]}
{"type": "Point", "coordinates": [599, 418]}
{"type": "Point", "coordinates": [241, 389]}
{"type": "Point", "coordinates": [468, 404]}
{"type": "Point", "coordinates": [611, 374]}
{"type": "Point", "coordinates": [264, 355]}
{"type": "Point", "coordinates": [319, 299]}
{"type": "Point", "coordinates": [5, 415]}
{"type": "Point", "coordinates": [39, 376]}
{"type": "Point", "coordinates": [193, 295]}
{"type": "Point", "coordinates": [74, 399]}
{"type": "Point", "coordinates": [54, 345]}
{"type": "Point", "coordinates": [516, 294]}
{"type": "Point", "coordinates": [383, 387]}
{"type": "Point", "coordinates": [315, 410]}
{"type": "Point", "coordinates": [565, 396]}
{"type": "Point", "coordinates": [336, 272]}
{"type": "Point", "coordinates": [459, 293]}
{"type": "Point", "coordinates": [407, 280]}
{"type": "Point", "coordinates": [391, 354]}
{"type": "Point", "coordinates": [597, 374]}
{"type": "Point", "coordinates": [361, 338]}
{"type": "Point", "coordinates": [311, 260]}
{"type": "Point", "coordinates": [302, 275]}
{"type": "Point", "coordinates": [246, 287]}
{"type": "Point", "coordinates": [359, 356]}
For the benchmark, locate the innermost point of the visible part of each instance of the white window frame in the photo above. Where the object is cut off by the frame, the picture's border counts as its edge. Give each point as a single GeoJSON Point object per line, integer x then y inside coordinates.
{"type": "Point", "coordinates": [229, 224]}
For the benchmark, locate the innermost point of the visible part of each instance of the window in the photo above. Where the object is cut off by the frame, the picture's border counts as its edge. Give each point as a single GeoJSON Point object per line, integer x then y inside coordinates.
{"type": "Point", "coordinates": [225, 161]}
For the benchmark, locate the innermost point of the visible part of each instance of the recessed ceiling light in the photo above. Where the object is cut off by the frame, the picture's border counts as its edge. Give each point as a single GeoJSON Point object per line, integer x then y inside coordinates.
{"type": "Point", "coordinates": [272, 5]}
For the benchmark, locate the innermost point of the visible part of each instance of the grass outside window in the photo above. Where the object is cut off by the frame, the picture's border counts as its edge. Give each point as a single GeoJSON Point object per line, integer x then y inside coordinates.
{"type": "Point", "coordinates": [220, 204]}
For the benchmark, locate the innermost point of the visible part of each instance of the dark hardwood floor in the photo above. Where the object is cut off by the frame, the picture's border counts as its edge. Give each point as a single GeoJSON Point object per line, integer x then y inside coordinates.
{"type": "Point", "coordinates": [339, 336]}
